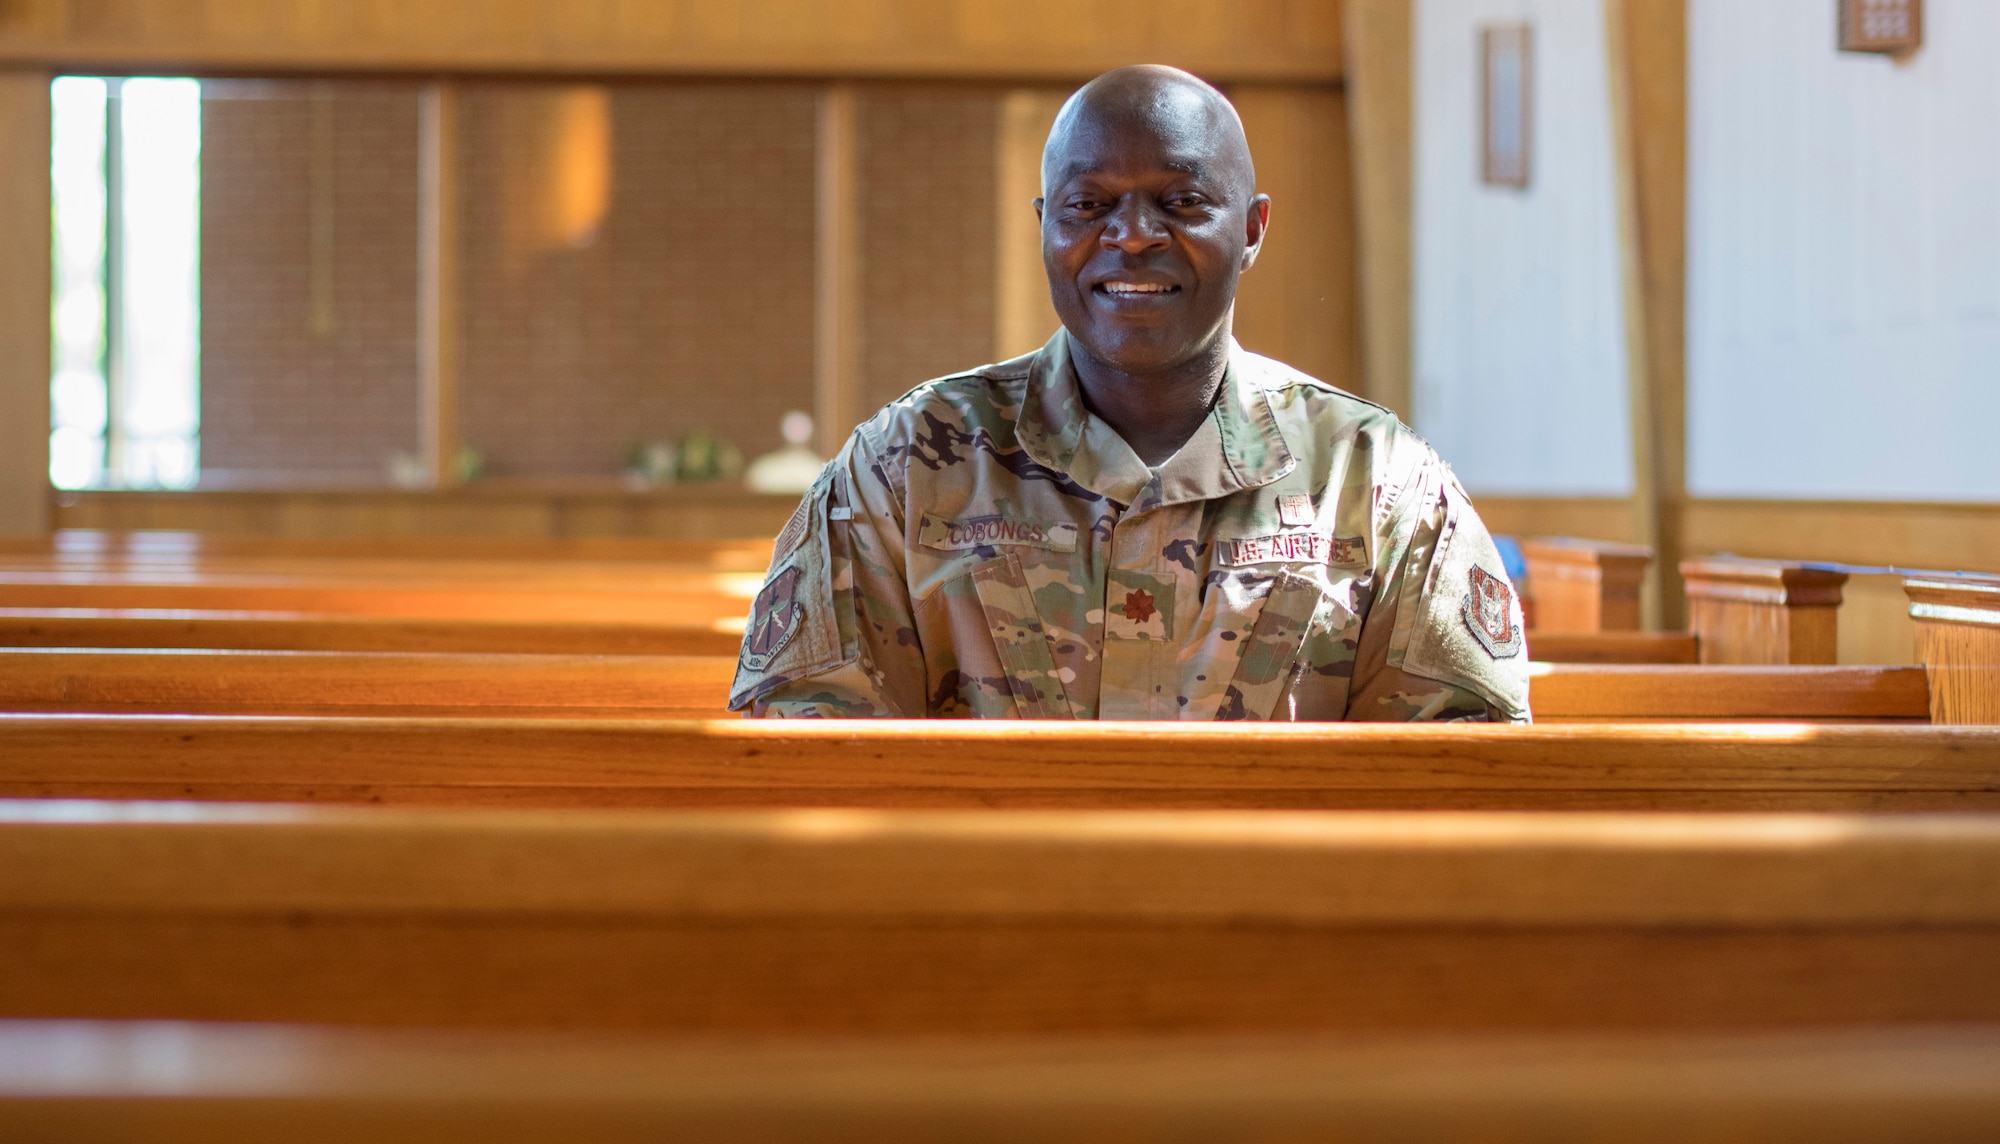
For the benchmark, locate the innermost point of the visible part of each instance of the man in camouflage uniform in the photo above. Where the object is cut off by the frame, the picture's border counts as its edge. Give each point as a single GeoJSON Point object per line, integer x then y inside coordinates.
{"type": "Point", "coordinates": [1141, 520]}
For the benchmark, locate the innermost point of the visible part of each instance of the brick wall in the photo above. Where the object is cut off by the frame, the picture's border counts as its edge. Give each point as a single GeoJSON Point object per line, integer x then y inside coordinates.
{"type": "Point", "coordinates": [691, 305]}
{"type": "Point", "coordinates": [928, 173]}
{"type": "Point", "coordinates": [309, 351]}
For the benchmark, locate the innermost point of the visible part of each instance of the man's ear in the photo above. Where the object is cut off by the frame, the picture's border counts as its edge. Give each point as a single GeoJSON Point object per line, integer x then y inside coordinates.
{"type": "Point", "coordinates": [1038, 209]}
{"type": "Point", "coordinates": [1257, 220]}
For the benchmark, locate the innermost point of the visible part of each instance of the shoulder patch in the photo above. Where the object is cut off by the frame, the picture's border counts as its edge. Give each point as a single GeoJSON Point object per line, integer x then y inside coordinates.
{"type": "Point", "coordinates": [1467, 629]}
{"type": "Point", "coordinates": [775, 617]}
{"type": "Point", "coordinates": [1488, 610]}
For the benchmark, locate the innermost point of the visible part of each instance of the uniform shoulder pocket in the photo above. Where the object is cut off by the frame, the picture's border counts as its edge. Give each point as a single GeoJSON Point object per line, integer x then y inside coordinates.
{"type": "Point", "coordinates": [1468, 629]}
{"type": "Point", "coordinates": [793, 631]}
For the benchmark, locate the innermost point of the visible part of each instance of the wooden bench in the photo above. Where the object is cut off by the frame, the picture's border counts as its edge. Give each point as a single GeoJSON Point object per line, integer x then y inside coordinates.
{"type": "Point", "coordinates": [611, 762]}
{"type": "Point", "coordinates": [101, 1081]}
{"type": "Point", "coordinates": [285, 631]}
{"type": "Point", "coordinates": [1958, 640]}
{"type": "Point", "coordinates": [673, 582]}
{"type": "Point", "coordinates": [1763, 611]}
{"type": "Point", "coordinates": [291, 682]}
{"type": "Point", "coordinates": [699, 598]}
{"type": "Point", "coordinates": [1612, 647]}
{"type": "Point", "coordinates": [905, 922]}
{"type": "Point", "coordinates": [1583, 586]}
{"type": "Point", "coordinates": [101, 548]}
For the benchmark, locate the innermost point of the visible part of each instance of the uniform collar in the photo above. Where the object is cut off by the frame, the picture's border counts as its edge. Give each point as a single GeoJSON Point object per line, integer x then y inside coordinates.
{"type": "Point", "coordinates": [1238, 446]}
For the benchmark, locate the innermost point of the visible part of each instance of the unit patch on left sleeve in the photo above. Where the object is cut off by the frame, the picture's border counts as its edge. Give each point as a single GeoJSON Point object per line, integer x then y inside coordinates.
{"type": "Point", "coordinates": [1489, 612]}
{"type": "Point", "coordinates": [775, 617]}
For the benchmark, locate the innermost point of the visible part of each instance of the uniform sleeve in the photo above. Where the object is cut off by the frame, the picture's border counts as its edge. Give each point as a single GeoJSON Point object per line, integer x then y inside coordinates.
{"type": "Point", "coordinates": [1443, 640]}
{"type": "Point", "coordinates": [830, 634]}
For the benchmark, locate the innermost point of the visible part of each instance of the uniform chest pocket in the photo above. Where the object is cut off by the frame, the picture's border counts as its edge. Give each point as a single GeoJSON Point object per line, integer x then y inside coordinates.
{"type": "Point", "coordinates": [1020, 638]}
{"type": "Point", "coordinates": [1296, 607]}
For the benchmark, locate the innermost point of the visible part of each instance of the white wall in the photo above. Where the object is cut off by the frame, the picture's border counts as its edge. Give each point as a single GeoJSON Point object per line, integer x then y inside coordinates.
{"type": "Point", "coordinates": [1519, 333]}
{"type": "Point", "coordinates": [1843, 256]}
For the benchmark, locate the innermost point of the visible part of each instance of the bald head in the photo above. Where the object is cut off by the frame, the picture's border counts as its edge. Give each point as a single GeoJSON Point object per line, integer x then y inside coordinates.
{"type": "Point", "coordinates": [1158, 101]}
{"type": "Point", "coordinates": [1149, 213]}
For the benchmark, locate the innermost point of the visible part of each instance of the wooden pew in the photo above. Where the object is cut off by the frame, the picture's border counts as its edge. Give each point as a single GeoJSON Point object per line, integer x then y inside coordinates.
{"type": "Point", "coordinates": [613, 762]}
{"type": "Point", "coordinates": [287, 631]}
{"type": "Point", "coordinates": [87, 547]}
{"type": "Point", "coordinates": [675, 582]}
{"type": "Point", "coordinates": [1958, 640]}
{"type": "Point", "coordinates": [1763, 611]}
{"type": "Point", "coordinates": [552, 596]}
{"type": "Point", "coordinates": [1583, 586]}
{"type": "Point", "coordinates": [867, 922]}
{"type": "Point", "coordinates": [86, 1082]}
{"type": "Point", "coordinates": [1612, 692]}
{"type": "Point", "coordinates": [1614, 647]}
{"type": "Point", "coordinates": [296, 683]}
{"type": "Point", "coordinates": [289, 682]}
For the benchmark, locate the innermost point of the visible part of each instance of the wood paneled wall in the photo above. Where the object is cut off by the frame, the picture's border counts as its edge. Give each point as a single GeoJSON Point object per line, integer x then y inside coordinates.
{"type": "Point", "coordinates": [1024, 317]}
{"type": "Point", "coordinates": [24, 302]}
{"type": "Point", "coordinates": [1298, 303]}
{"type": "Point", "coordinates": [1283, 40]}
{"type": "Point", "coordinates": [1376, 36]}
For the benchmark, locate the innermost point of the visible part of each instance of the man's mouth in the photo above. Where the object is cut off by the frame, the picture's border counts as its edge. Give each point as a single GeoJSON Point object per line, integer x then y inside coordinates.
{"type": "Point", "coordinates": [1117, 289]}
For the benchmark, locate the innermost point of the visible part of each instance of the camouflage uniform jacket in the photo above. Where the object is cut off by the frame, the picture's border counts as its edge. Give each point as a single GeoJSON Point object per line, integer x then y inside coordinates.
{"type": "Point", "coordinates": [986, 547]}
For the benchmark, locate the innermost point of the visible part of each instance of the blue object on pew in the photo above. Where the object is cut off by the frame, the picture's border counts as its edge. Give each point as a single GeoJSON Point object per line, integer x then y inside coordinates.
{"type": "Point", "coordinates": [1510, 557]}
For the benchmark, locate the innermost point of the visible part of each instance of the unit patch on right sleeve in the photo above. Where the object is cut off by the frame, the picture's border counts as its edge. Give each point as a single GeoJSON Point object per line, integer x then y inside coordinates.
{"type": "Point", "coordinates": [1489, 612]}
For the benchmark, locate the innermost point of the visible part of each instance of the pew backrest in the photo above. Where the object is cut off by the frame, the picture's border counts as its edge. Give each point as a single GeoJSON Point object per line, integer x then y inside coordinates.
{"type": "Point", "coordinates": [1763, 611]}
{"type": "Point", "coordinates": [610, 762]}
{"type": "Point", "coordinates": [1958, 640]}
{"type": "Point", "coordinates": [824, 921]}
{"type": "Point", "coordinates": [1584, 585]}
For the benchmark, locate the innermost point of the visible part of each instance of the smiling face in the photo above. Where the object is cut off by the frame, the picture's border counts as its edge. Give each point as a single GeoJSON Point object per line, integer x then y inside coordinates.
{"type": "Point", "coordinates": [1148, 217]}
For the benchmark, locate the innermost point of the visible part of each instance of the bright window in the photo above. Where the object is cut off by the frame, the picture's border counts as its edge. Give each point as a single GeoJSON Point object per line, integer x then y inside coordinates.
{"type": "Point", "coordinates": [126, 189]}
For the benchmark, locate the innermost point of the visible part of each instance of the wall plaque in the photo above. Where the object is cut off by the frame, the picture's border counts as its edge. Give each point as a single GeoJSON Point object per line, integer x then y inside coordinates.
{"type": "Point", "coordinates": [1887, 27]}
{"type": "Point", "coordinates": [1506, 98]}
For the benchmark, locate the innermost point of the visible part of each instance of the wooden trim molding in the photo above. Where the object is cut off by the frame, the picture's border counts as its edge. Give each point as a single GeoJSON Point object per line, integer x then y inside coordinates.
{"type": "Point", "coordinates": [1380, 124]}
{"type": "Point", "coordinates": [438, 300]}
{"type": "Point", "coordinates": [837, 268]}
{"type": "Point", "coordinates": [24, 303]}
{"type": "Point", "coordinates": [1278, 40]}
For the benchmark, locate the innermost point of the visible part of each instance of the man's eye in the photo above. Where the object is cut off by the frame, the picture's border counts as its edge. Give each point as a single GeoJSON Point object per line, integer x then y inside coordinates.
{"type": "Point", "coordinates": [1185, 202]}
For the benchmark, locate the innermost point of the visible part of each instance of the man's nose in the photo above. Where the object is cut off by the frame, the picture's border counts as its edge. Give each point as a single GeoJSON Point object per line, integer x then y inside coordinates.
{"type": "Point", "coordinates": [1134, 226]}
